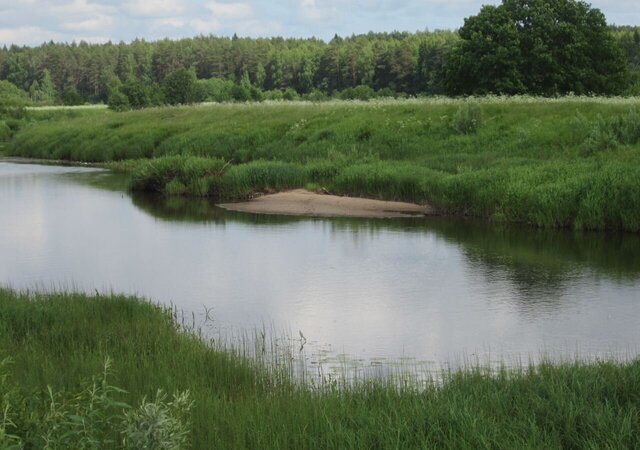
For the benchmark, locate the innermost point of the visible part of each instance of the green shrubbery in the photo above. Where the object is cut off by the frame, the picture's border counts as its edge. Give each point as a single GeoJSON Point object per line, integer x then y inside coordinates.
{"type": "Point", "coordinates": [467, 119]}
{"type": "Point", "coordinates": [94, 417]}
{"type": "Point", "coordinates": [179, 175]}
{"type": "Point", "coordinates": [551, 163]}
{"type": "Point", "coordinates": [607, 133]}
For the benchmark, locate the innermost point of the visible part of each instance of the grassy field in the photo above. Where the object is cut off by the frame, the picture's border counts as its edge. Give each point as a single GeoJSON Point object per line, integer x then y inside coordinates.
{"type": "Point", "coordinates": [62, 340]}
{"type": "Point", "coordinates": [570, 162]}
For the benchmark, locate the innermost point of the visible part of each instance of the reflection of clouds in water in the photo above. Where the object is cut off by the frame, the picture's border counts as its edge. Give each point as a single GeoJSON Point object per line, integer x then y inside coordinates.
{"type": "Point", "coordinates": [431, 290]}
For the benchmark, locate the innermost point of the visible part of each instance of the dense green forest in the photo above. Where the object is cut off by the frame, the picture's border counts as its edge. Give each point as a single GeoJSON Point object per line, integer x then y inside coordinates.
{"type": "Point", "coordinates": [243, 69]}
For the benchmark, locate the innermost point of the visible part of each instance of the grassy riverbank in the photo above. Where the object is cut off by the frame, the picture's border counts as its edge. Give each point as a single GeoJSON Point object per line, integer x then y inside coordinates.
{"type": "Point", "coordinates": [59, 340]}
{"type": "Point", "coordinates": [571, 162]}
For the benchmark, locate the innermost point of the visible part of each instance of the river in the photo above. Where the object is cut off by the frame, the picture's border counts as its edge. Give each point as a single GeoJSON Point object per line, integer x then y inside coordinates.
{"type": "Point", "coordinates": [434, 292]}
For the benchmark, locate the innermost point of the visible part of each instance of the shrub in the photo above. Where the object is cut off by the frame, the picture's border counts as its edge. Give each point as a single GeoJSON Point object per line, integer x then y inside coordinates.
{"type": "Point", "coordinates": [290, 94]}
{"type": "Point", "coordinates": [626, 129]}
{"type": "Point", "coordinates": [179, 175]}
{"type": "Point", "coordinates": [91, 418]}
{"type": "Point", "coordinates": [118, 101]}
{"type": "Point", "coordinates": [240, 93]}
{"type": "Point", "coordinates": [316, 95]}
{"type": "Point", "coordinates": [467, 119]}
{"type": "Point", "coordinates": [70, 97]}
{"type": "Point", "coordinates": [5, 131]}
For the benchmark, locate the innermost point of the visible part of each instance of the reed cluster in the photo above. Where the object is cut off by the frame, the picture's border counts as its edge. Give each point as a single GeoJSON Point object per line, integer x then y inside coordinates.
{"type": "Point", "coordinates": [58, 341]}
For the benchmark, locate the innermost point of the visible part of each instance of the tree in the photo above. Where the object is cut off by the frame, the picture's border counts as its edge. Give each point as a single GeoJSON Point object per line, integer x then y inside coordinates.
{"type": "Point", "coordinates": [47, 88]}
{"type": "Point", "coordinates": [179, 86]}
{"type": "Point", "coordinates": [542, 47]}
{"type": "Point", "coordinates": [118, 101]}
{"type": "Point", "coordinates": [12, 100]}
{"type": "Point", "coordinates": [34, 91]}
{"type": "Point", "coordinates": [70, 97]}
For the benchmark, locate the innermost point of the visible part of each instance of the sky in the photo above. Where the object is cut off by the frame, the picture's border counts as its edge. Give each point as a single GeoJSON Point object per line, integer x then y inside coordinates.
{"type": "Point", "coordinates": [32, 22]}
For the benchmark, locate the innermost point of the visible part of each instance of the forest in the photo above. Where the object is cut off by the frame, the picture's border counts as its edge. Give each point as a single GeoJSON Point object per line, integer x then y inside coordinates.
{"type": "Point", "coordinates": [210, 68]}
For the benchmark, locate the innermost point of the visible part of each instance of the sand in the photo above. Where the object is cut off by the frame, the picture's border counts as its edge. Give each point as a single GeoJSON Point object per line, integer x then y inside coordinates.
{"type": "Point", "coordinates": [301, 202]}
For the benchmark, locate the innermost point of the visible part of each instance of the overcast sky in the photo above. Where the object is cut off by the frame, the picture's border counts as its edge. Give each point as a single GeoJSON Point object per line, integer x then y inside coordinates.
{"type": "Point", "coordinates": [32, 22]}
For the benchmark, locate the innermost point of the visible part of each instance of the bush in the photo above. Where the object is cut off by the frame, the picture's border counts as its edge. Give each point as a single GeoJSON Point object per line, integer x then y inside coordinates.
{"type": "Point", "coordinates": [218, 89]}
{"type": "Point", "coordinates": [12, 100]}
{"type": "Point", "coordinates": [240, 93]}
{"type": "Point", "coordinates": [95, 415]}
{"type": "Point", "coordinates": [316, 95]}
{"type": "Point", "coordinates": [467, 119]}
{"type": "Point", "coordinates": [290, 94]}
{"type": "Point", "coordinates": [70, 97]}
{"type": "Point", "coordinates": [5, 131]}
{"type": "Point", "coordinates": [362, 92]}
{"type": "Point", "coordinates": [626, 129]}
{"type": "Point", "coordinates": [179, 175]}
{"type": "Point", "coordinates": [179, 87]}
{"type": "Point", "coordinates": [118, 101]}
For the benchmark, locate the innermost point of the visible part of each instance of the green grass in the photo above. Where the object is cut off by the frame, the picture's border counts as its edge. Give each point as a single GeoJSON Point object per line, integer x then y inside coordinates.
{"type": "Point", "coordinates": [571, 162]}
{"type": "Point", "coordinates": [60, 340]}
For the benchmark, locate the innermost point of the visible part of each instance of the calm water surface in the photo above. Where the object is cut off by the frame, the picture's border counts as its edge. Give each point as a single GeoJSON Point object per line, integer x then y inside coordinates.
{"type": "Point", "coordinates": [439, 291]}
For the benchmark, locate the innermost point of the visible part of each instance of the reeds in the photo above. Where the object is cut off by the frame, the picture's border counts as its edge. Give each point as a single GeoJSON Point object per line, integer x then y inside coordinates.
{"type": "Point", "coordinates": [60, 340]}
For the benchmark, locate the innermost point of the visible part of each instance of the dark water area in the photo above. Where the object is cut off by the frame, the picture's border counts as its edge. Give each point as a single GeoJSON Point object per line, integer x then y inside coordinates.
{"type": "Point", "coordinates": [433, 291]}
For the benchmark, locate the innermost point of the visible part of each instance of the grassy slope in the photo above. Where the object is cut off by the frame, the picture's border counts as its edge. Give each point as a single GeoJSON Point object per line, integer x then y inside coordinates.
{"type": "Point", "coordinates": [61, 339]}
{"type": "Point", "coordinates": [547, 163]}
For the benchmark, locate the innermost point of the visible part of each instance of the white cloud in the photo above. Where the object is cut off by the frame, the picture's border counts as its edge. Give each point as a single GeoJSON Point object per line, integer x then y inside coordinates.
{"type": "Point", "coordinates": [233, 11]}
{"type": "Point", "coordinates": [322, 10]}
{"type": "Point", "coordinates": [259, 28]}
{"type": "Point", "coordinates": [92, 39]}
{"type": "Point", "coordinates": [27, 35]}
{"type": "Point", "coordinates": [81, 7]}
{"type": "Point", "coordinates": [201, 26]}
{"type": "Point", "coordinates": [99, 23]}
{"type": "Point", "coordinates": [169, 22]}
{"type": "Point", "coordinates": [31, 22]}
{"type": "Point", "coordinates": [154, 8]}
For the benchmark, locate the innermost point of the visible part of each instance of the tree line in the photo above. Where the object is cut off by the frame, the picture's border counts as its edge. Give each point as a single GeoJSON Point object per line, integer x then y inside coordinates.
{"type": "Point", "coordinates": [541, 47]}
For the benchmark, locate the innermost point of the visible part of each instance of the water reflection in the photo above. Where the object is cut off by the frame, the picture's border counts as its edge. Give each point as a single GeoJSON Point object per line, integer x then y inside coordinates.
{"type": "Point", "coordinates": [536, 260]}
{"type": "Point", "coordinates": [373, 290]}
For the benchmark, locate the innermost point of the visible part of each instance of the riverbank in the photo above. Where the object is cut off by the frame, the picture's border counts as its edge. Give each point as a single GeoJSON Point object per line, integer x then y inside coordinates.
{"type": "Point", "coordinates": [62, 340]}
{"type": "Point", "coordinates": [565, 163]}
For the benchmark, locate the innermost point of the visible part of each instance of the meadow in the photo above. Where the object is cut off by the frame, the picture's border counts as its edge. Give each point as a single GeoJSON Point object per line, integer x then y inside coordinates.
{"type": "Point", "coordinates": [569, 162]}
{"type": "Point", "coordinates": [57, 392]}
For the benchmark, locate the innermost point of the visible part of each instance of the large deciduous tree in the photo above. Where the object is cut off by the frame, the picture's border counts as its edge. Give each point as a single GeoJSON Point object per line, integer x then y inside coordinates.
{"type": "Point", "coordinates": [179, 86]}
{"type": "Point", "coordinates": [542, 47]}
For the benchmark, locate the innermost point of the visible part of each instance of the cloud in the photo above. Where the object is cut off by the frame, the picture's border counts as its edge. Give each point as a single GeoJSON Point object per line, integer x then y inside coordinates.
{"type": "Point", "coordinates": [314, 10]}
{"type": "Point", "coordinates": [210, 26]}
{"type": "Point", "coordinates": [99, 23]}
{"type": "Point", "coordinates": [169, 22]}
{"type": "Point", "coordinates": [27, 35]}
{"type": "Point", "coordinates": [230, 11]}
{"type": "Point", "coordinates": [30, 22]}
{"type": "Point", "coordinates": [154, 8]}
{"type": "Point", "coordinates": [81, 7]}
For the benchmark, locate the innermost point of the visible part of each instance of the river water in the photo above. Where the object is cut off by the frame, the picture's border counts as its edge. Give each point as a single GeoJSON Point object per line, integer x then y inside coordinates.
{"type": "Point", "coordinates": [429, 291]}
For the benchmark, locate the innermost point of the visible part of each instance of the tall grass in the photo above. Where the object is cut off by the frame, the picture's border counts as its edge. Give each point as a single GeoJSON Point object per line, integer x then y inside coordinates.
{"type": "Point", "coordinates": [60, 340]}
{"type": "Point", "coordinates": [569, 162]}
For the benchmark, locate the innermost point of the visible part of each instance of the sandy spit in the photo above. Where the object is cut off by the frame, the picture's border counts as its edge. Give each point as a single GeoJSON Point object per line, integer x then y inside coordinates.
{"type": "Point", "coordinates": [301, 202]}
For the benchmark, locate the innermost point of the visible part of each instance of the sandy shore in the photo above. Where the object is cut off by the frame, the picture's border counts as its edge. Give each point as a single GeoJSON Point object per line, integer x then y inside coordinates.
{"type": "Point", "coordinates": [301, 202]}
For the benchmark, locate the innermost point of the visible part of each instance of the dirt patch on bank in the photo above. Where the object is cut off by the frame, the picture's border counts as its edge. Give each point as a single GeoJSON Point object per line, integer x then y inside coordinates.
{"type": "Point", "coordinates": [301, 202]}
